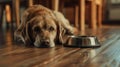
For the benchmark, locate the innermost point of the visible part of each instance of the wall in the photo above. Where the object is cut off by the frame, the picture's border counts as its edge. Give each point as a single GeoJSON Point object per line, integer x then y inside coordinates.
{"type": "Point", "coordinates": [114, 14]}
{"type": "Point", "coordinates": [113, 9]}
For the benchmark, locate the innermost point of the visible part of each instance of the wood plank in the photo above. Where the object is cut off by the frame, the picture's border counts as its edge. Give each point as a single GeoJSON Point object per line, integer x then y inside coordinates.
{"type": "Point", "coordinates": [109, 57]}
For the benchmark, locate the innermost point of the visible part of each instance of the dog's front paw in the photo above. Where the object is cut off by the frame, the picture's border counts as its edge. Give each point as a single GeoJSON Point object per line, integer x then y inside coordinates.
{"type": "Point", "coordinates": [18, 37]}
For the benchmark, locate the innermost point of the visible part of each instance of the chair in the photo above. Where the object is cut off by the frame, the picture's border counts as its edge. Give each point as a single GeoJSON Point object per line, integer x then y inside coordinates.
{"type": "Point", "coordinates": [16, 4]}
{"type": "Point", "coordinates": [80, 13]}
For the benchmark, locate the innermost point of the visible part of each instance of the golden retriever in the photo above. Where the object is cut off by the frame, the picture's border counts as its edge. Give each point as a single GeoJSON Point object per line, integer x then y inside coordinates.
{"type": "Point", "coordinates": [43, 27]}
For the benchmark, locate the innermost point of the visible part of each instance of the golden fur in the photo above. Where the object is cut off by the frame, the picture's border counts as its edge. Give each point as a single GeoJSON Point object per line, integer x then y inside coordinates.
{"type": "Point", "coordinates": [41, 26]}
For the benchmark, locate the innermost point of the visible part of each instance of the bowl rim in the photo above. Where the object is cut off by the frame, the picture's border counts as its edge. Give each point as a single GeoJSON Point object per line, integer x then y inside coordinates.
{"type": "Point", "coordinates": [79, 36]}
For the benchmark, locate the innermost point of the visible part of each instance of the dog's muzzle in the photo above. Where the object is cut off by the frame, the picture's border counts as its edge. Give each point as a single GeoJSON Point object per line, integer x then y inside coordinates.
{"type": "Point", "coordinates": [43, 43]}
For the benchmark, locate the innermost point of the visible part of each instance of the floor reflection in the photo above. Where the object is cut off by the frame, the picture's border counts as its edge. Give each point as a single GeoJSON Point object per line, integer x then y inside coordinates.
{"type": "Point", "coordinates": [93, 53]}
{"type": "Point", "coordinates": [6, 37]}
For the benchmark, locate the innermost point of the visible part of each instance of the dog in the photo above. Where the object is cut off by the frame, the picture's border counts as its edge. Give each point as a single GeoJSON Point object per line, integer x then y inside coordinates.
{"type": "Point", "coordinates": [43, 27]}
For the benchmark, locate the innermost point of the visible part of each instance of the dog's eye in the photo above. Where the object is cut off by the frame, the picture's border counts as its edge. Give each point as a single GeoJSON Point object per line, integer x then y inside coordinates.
{"type": "Point", "coordinates": [37, 29]}
{"type": "Point", "coordinates": [51, 29]}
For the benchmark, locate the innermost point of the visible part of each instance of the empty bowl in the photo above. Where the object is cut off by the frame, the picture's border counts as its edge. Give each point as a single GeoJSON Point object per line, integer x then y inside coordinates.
{"type": "Point", "coordinates": [82, 41]}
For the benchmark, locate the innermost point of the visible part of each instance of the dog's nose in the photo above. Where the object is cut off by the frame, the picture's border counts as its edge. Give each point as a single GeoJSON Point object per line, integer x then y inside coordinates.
{"type": "Point", "coordinates": [46, 43]}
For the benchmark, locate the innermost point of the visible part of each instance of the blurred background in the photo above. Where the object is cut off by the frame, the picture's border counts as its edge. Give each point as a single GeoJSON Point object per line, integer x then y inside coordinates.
{"type": "Point", "coordinates": [81, 13]}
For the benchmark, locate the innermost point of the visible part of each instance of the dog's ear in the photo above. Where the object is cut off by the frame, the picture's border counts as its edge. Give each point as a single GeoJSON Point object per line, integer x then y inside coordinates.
{"type": "Point", "coordinates": [64, 28]}
{"type": "Point", "coordinates": [22, 30]}
{"type": "Point", "coordinates": [60, 33]}
{"type": "Point", "coordinates": [64, 23]}
{"type": "Point", "coordinates": [28, 34]}
{"type": "Point", "coordinates": [22, 35]}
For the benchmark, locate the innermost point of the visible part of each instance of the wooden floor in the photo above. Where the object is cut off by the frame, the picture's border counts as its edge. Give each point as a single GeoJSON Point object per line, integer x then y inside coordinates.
{"type": "Point", "coordinates": [14, 54]}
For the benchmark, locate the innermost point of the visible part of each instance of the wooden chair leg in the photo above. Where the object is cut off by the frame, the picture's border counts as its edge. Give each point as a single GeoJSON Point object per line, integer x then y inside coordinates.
{"type": "Point", "coordinates": [30, 3]}
{"type": "Point", "coordinates": [55, 5]}
{"type": "Point", "coordinates": [93, 15]}
{"type": "Point", "coordinates": [76, 16]}
{"type": "Point", "coordinates": [8, 13]}
{"type": "Point", "coordinates": [17, 9]}
{"type": "Point", "coordinates": [1, 14]}
{"type": "Point", "coordinates": [99, 16]}
{"type": "Point", "coordinates": [82, 14]}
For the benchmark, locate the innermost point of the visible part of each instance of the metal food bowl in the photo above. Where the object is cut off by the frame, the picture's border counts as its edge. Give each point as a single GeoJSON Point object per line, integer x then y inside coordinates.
{"type": "Point", "coordinates": [82, 41]}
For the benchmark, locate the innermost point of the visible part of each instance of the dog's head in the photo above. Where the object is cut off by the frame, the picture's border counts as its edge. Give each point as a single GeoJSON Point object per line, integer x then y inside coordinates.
{"type": "Point", "coordinates": [42, 31]}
